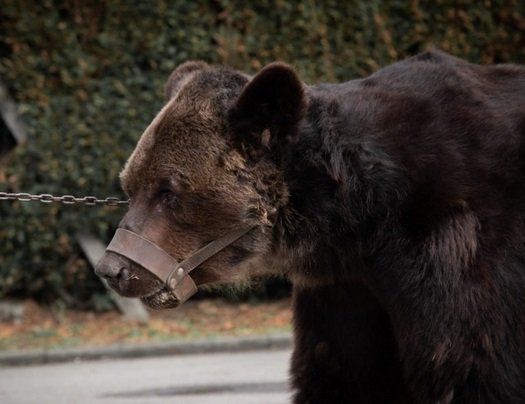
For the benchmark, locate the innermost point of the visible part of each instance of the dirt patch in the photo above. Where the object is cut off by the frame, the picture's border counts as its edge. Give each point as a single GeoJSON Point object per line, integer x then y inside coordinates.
{"type": "Point", "coordinates": [41, 327]}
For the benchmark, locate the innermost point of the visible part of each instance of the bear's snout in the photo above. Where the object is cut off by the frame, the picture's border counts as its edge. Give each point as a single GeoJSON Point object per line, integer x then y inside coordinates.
{"type": "Point", "coordinates": [125, 277]}
{"type": "Point", "coordinates": [107, 269]}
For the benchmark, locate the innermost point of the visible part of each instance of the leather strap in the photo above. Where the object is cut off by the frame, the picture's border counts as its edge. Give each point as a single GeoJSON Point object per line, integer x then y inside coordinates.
{"type": "Point", "coordinates": [173, 274]}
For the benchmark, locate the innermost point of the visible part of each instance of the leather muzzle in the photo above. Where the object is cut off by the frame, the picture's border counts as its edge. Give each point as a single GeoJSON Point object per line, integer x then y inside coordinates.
{"type": "Point", "coordinates": [174, 275]}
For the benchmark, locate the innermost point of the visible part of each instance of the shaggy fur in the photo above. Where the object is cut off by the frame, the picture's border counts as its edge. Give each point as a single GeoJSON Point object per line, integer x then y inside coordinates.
{"type": "Point", "coordinates": [395, 204]}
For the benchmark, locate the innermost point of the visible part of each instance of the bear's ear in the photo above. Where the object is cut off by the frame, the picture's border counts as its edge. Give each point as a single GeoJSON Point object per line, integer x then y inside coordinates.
{"type": "Point", "coordinates": [180, 76]}
{"type": "Point", "coordinates": [268, 111]}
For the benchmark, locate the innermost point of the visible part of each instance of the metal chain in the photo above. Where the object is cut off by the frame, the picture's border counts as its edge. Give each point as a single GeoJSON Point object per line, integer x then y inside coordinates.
{"type": "Point", "coordinates": [64, 199]}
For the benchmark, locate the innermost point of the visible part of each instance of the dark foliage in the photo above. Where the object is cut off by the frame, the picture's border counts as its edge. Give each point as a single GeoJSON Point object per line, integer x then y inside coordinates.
{"type": "Point", "coordinates": [88, 77]}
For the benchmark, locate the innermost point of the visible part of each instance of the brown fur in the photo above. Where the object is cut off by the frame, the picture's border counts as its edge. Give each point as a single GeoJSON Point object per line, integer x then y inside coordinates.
{"type": "Point", "coordinates": [395, 204]}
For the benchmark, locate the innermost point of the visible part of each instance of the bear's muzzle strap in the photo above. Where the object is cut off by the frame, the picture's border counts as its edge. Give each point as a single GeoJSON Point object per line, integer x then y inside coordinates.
{"type": "Point", "coordinates": [173, 274]}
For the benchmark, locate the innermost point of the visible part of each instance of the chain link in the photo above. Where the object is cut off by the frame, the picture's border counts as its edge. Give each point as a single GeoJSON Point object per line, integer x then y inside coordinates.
{"type": "Point", "coordinates": [64, 199]}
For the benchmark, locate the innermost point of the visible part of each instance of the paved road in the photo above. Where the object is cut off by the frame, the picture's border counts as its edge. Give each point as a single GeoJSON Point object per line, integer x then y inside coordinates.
{"type": "Point", "coordinates": [258, 377]}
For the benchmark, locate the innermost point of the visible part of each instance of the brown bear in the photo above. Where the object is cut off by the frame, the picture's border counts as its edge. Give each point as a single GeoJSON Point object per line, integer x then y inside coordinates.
{"type": "Point", "coordinates": [394, 203]}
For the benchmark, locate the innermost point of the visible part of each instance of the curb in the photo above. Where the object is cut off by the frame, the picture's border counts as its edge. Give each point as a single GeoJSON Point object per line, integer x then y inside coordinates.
{"type": "Point", "coordinates": [223, 344]}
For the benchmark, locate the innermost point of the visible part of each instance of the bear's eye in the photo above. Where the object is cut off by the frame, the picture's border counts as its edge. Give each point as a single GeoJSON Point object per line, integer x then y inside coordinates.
{"type": "Point", "coordinates": [168, 198]}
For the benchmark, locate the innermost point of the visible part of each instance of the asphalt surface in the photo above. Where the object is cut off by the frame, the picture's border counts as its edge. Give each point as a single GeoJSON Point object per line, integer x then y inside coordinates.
{"type": "Point", "coordinates": [218, 344]}
{"type": "Point", "coordinates": [246, 377]}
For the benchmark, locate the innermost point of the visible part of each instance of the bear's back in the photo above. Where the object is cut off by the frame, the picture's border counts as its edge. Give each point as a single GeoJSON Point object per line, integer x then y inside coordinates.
{"type": "Point", "coordinates": [456, 129]}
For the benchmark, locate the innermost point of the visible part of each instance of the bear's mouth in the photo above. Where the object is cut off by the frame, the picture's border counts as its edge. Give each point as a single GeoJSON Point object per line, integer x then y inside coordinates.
{"type": "Point", "coordinates": [161, 299]}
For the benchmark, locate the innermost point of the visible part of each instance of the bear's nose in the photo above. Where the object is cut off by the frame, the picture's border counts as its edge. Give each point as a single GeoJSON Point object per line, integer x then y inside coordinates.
{"type": "Point", "coordinates": [126, 278]}
{"type": "Point", "coordinates": [108, 268]}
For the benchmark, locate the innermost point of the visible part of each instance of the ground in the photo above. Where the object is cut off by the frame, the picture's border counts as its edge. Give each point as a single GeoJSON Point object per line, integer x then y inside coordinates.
{"type": "Point", "coordinates": [41, 327]}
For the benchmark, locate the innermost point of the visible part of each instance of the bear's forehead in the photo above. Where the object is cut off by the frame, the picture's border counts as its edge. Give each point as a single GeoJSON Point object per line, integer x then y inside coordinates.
{"type": "Point", "coordinates": [186, 137]}
{"type": "Point", "coordinates": [175, 143]}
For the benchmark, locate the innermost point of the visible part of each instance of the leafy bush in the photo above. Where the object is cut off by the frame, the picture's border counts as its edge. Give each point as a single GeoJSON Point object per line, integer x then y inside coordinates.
{"type": "Point", "coordinates": [88, 78]}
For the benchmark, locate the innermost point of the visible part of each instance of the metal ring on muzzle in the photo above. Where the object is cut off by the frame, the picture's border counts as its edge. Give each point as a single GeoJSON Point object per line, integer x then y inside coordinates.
{"type": "Point", "coordinates": [173, 274]}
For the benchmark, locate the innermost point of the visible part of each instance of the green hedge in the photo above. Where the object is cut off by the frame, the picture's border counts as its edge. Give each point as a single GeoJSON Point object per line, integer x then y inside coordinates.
{"type": "Point", "coordinates": [88, 78]}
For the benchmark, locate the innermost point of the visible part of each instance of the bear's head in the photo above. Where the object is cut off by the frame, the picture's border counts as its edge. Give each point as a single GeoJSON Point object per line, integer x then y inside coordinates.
{"type": "Point", "coordinates": [208, 166]}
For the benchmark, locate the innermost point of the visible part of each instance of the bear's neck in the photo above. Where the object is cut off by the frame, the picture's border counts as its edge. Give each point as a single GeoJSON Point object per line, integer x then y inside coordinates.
{"type": "Point", "coordinates": [342, 188]}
